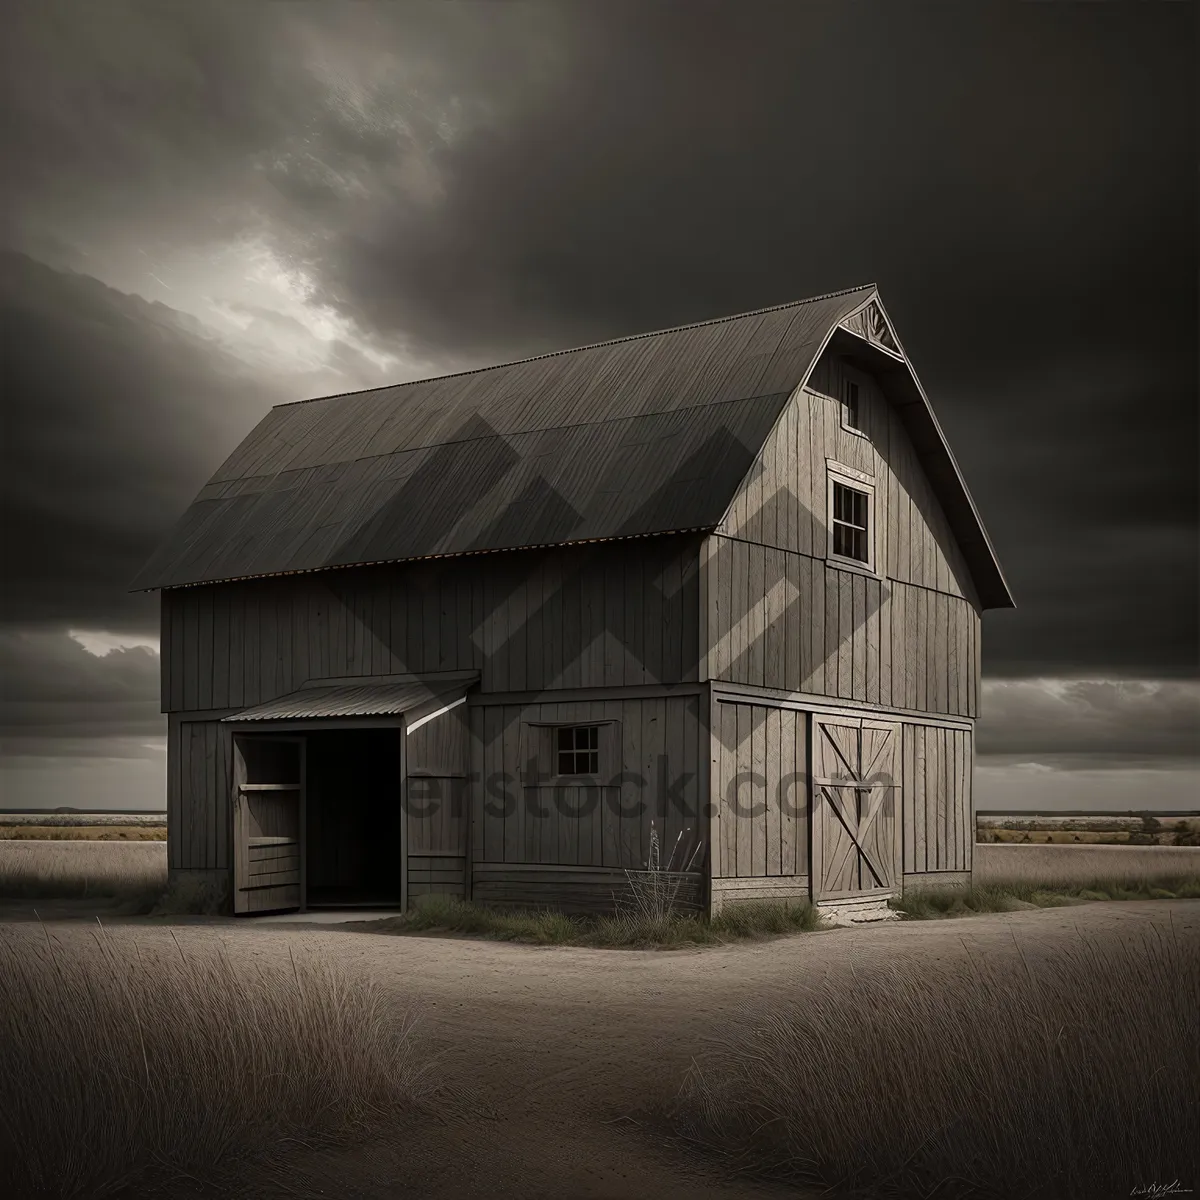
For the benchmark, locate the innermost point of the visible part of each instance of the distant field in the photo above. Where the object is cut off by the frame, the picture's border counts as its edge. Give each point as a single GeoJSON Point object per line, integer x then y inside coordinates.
{"type": "Point", "coordinates": [992, 816]}
{"type": "Point", "coordinates": [1105, 829]}
{"type": "Point", "coordinates": [1073, 864]}
{"type": "Point", "coordinates": [83, 826]}
{"type": "Point", "coordinates": [1065, 837]}
{"type": "Point", "coordinates": [81, 820]}
{"type": "Point", "coordinates": [83, 833]}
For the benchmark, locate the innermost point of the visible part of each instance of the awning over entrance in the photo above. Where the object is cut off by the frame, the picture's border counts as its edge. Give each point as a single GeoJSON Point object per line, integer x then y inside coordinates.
{"type": "Point", "coordinates": [416, 697]}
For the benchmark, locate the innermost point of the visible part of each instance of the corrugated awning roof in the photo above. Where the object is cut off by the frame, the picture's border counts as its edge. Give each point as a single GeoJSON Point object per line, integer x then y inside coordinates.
{"type": "Point", "coordinates": [416, 698]}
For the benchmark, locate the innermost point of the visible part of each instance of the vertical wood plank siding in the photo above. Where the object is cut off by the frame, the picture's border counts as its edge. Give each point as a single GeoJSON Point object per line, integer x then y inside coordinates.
{"type": "Point", "coordinates": [783, 503]}
{"type": "Point", "coordinates": [586, 616]}
{"type": "Point", "coordinates": [653, 774]}
{"type": "Point", "coordinates": [939, 829]}
{"type": "Point", "coordinates": [199, 783]}
{"type": "Point", "coordinates": [759, 792]}
{"type": "Point", "coordinates": [841, 635]}
{"type": "Point", "coordinates": [906, 638]}
{"type": "Point", "coordinates": [438, 757]}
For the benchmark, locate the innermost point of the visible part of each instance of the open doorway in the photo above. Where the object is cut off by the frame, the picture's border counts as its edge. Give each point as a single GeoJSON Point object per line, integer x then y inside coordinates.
{"type": "Point", "coordinates": [354, 824]}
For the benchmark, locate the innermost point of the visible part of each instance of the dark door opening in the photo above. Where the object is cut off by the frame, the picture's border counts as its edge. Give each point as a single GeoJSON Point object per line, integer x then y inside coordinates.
{"type": "Point", "coordinates": [354, 828]}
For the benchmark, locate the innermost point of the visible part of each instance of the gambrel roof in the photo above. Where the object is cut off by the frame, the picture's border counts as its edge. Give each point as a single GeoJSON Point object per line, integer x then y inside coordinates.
{"type": "Point", "coordinates": [643, 435]}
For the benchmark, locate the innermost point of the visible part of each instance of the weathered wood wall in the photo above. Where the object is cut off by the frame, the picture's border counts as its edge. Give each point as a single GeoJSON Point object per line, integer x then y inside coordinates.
{"type": "Point", "coordinates": [783, 502]}
{"type": "Point", "coordinates": [199, 793]}
{"type": "Point", "coordinates": [939, 807]}
{"type": "Point", "coordinates": [534, 841]}
{"type": "Point", "coordinates": [783, 620]}
{"type": "Point", "coordinates": [776, 615]}
{"type": "Point", "coordinates": [766, 852]}
{"type": "Point", "coordinates": [760, 767]}
{"type": "Point", "coordinates": [606, 615]}
{"type": "Point", "coordinates": [438, 802]}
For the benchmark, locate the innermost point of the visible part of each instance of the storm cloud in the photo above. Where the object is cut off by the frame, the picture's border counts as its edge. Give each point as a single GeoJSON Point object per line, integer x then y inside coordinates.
{"type": "Point", "coordinates": [116, 415]}
{"type": "Point", "coordinates": [1091, 723]}
{"type": "Point", "coordinates": [59, 700]}
{"type": "Point", "coordinates": [217, 207]}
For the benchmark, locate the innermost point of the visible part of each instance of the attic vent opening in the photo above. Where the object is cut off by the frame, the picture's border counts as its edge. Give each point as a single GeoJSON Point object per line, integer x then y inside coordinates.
{"type": "Point", "coordinates": [851, 418]}
{"type": "Point", "coordinates": [878, 331]}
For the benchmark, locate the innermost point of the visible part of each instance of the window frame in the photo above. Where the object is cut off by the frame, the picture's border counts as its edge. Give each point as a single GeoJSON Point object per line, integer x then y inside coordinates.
{"type": "Point", "coordinates": [539, 739]}
{"type": "Point", "coordinates": [575, 750]}
{"type": "Point", "coordinates": [837, 474]}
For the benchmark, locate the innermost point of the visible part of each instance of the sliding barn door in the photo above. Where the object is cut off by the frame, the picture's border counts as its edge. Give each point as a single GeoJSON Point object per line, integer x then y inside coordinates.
{"type": "Point", "coordinates": [855, 808]}
{"type": "Point", "coordinates": [268, 824]}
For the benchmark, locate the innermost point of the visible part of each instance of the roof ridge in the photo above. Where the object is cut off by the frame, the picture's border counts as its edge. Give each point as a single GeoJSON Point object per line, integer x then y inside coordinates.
{"type": "Point", "coordinates": [631, 337]}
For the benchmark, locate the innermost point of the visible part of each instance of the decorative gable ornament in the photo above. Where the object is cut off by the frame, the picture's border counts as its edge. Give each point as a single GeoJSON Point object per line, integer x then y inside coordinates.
{"type": "Point", "coordinates": [873, 325]}
{"type": "Point", "coordinates": [878, 329]}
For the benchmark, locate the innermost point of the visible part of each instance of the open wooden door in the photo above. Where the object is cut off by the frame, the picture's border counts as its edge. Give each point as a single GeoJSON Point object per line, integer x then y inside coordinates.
{"type": "Point", "coordinates": [855, 808]}
{"type": "Point", "coordinates": [268, 823]}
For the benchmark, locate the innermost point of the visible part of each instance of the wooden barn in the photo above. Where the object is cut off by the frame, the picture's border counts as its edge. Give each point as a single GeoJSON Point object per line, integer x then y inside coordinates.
{"type": "Point", "coordinates": [475, 634]}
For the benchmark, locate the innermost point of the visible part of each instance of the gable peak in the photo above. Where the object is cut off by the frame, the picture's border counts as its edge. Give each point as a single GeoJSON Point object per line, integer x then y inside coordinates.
{"type": "Point", "coordinates": [871, 322]}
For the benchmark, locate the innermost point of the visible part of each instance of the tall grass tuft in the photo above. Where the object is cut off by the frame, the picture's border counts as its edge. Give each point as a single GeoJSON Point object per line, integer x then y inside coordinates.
{"type": "Point", "coordinates": [122, 1065]}
{"type": "Point", "coordinates": [660, 890]}
{"type": "Point", "coordinates": [969, 1077]}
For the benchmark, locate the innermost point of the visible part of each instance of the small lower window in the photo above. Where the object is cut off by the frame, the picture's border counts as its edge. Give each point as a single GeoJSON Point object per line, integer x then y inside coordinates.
{"type": "Point", "coordinates": [578, 749]}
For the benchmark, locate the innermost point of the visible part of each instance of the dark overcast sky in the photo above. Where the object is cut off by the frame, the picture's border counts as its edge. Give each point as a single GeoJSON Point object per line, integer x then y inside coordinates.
{"type": "Point", "coordinates": [215, 207]}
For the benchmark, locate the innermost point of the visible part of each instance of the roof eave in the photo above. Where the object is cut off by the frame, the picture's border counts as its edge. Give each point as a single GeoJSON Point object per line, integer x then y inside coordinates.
{"type": "Point", "coordinates": [384, 562]}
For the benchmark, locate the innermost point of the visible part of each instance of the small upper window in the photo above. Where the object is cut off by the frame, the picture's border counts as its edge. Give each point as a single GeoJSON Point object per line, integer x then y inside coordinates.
{"type": "Point", "coordinates": [578, 749]}
{"type": "Point", "coordinates": [850, 410]}
{"type": "Point", "coordinates": [851, 523]}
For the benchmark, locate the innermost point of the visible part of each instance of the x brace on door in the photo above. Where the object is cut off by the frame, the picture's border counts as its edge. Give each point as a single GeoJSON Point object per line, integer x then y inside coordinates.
{"type": "Point", "coordinates": [856, 828]}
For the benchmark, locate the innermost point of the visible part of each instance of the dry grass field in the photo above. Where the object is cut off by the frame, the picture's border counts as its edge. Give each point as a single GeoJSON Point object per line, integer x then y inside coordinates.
{"type": "Point", "coordinates": [995, 863]}
{"type": "Point", "coordinates": [128, 872]}
{"type": "Point", "coordinates": [123, 1064]}
{"type": "Point", "coordinates": [1077, 1079]}
{"type": "Point", "coordinates": [84, 833]}
{"type": "Point", "coordinates": [560, 1067]}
